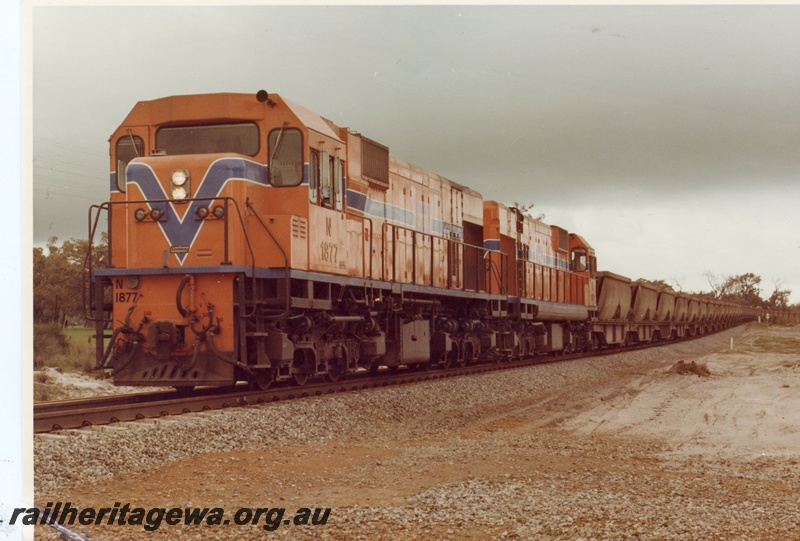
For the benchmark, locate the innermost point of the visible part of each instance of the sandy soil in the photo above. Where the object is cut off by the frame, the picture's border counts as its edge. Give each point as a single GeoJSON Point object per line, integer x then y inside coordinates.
{"type": "Point", "coordinates": [748, 408]}
{"type": "Point", "coordinates": [640, 453]}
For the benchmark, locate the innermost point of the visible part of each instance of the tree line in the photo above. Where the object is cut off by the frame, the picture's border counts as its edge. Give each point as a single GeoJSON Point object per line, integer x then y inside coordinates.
{"type": "Point", "coordinates": [58, 279]}
{"type": "Point", "coordinates": [745, 289]}
{"type": "Point", "coordinates": [740, 289]}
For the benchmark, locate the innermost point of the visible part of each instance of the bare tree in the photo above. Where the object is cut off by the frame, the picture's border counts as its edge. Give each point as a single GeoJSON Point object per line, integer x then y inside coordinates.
{"type": "Point", "coordinates": [743, 288]}
{"type": "Point", "coordinates": [780, 297]}
{"type": "Point", "coordinates": [527, 210]}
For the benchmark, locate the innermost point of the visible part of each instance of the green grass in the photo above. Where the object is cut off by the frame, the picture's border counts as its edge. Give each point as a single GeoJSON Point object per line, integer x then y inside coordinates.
{"type": "Point", "coordinates": [68, 350]}
{"type": "Point", "coordinates": [65, 350]}
{"type": "Point", "coordinates": [777, 344]}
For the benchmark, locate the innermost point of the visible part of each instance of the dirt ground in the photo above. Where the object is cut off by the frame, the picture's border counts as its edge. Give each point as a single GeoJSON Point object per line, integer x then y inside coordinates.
{"type": "Point", "coordinates": [638, 454]}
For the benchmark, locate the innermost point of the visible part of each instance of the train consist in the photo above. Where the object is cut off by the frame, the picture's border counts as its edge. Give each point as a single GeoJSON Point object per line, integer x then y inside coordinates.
{"type": "Point", "coordinates": [252, 239]}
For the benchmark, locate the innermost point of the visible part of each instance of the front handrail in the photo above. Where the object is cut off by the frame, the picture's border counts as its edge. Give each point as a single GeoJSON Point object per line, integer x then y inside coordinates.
{"type": "Point", "coordinates": [94, 219]}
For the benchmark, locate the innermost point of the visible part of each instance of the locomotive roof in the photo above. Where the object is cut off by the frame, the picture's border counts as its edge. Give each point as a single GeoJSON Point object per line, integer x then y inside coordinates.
{"type": "Point", "coordinates": [223, 106]}
{"type": "Point", "coordinates": [312, 120]}
{"type": "Point", "coordinates": [582, 240]}
{"type": "Point", "coordinates": [195, 108]}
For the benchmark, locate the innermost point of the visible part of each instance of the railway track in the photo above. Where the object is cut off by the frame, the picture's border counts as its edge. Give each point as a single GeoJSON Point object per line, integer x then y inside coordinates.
{"type": "Point", "coordinates": [84, 412]}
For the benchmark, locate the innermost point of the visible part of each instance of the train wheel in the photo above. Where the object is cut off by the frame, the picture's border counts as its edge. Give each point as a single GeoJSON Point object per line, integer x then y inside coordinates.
{"type": "Point", "coordinates": [439, 360]}
{"type": "Point", "coordinates": [455, 359]}
{"type": "Point", "coordinates": [338, 366]}
{"type": "Point", "coordinates": [262, 380]}
{"type": "Point", "coordinates": [299, 379]}
{"type": "Point", "coordinates": [183, 388]}
{"type": "Point", "coordinates": [303, 365]}
{"type": "Point", "coordinates": [334, 373]}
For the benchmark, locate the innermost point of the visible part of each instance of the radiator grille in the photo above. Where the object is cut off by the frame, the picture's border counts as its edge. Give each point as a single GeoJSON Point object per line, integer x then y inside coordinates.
{"type": "Point", "coordinates": [375, 162]}
{"type": "Point", "coordinates": [299, 227]}
{"type": "Point", "coordinates": [563, 239]}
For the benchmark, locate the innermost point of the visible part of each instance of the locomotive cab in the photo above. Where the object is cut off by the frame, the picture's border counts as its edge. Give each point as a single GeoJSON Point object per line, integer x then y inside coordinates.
{"type": "Point", "coordinates": [583, 263]}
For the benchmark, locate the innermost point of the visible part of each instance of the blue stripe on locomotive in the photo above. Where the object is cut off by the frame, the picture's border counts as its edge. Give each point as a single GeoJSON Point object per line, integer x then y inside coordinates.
{"type": "Point", "coordinates": [182, 231]}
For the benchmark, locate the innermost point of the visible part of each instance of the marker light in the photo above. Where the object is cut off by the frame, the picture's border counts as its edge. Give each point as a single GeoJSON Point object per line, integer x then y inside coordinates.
{"type": "Point", "coordinates": [179, 192]}
{"type": "Point", "coordinates": [156, 214]}
{"type": "Point", "coordinates": [140, 214]}
{"type": "Point", "coordinates": [202, 212]}
{"type": "Point", "coordinates": [180, 176]}
{"type": "Point", "coordinates": [219, 212]}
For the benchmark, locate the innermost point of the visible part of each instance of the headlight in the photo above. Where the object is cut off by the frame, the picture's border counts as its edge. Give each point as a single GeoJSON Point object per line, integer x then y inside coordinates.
{"type": "Point", "coordinates": [180, 184]}
{"type": "Point", "coordinates": [180, 176]}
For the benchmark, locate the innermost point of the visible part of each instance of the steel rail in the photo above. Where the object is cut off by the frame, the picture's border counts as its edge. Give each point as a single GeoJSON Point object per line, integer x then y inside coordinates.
{"type": "Point", "coordinates": [84, 412]}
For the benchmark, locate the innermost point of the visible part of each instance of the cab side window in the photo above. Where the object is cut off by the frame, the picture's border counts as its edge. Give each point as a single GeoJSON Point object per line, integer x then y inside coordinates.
{"type": "Point", "coordinates": [330, 182]}
{"type": "Point", "coordinates": [579, 263]}
{"type": "Point", "coordinates": [286, 157]}
{"type": "Point", "coordinates": [326, 192]}
{"type": "Point", "coordinates": [338, 184]}
{"type": "Point", "coordinates": [313, 176]}
{"type": "Point", "coordinates": [128, 148]}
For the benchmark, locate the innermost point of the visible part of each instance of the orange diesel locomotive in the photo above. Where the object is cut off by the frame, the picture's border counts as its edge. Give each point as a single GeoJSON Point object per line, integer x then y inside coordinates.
{"type": "Point", "coordinates": [252, 239]}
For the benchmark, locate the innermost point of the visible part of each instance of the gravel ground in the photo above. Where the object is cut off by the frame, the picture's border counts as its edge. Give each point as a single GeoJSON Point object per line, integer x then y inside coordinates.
{"type": "Point", "coordinates": [492, 456]}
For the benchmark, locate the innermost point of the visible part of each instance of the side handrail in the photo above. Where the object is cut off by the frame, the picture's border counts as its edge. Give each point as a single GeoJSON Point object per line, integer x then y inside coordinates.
{"type": "Point", "coordinates": [368, 255]}
{"type": "Point", "coordinates": [571, 280]}
{"type": "Point", "coordinates": [493, 270]}
{"type": "Point", "coordinates": [448, 242]}
{"type": "Point", "coordinates": [287, 288]}
{"type": "Point", "coordinates": [88, 263]}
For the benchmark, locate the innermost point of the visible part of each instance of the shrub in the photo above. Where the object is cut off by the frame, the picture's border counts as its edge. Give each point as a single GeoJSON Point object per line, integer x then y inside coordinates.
{"type": "Point", "coordinates": [49, 342]}
{"type": "Point", "coordinates": [685, 368]}
{"type": "Point", "coordinates": [68, 351]}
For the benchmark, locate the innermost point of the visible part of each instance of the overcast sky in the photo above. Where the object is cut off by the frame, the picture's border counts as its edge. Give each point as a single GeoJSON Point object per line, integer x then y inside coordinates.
{"type": "Point", "coordinates": [668, 137]}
